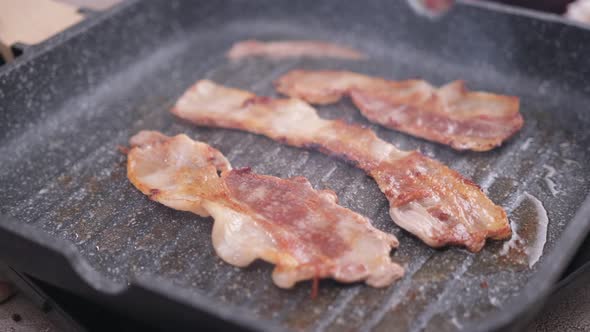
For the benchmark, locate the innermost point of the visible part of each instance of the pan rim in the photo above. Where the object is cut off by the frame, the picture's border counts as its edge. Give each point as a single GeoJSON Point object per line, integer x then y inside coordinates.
{"type": "Point", "coordinates": [539, 286]}
{"type": "Point", "coordinates": [577, 228]}
{"type": "Point", "coordinates": [524, 12]}
{"type": "Point", "coordinates": [96, 281]}
{"type": "Point", "coordinates": [36, 50]}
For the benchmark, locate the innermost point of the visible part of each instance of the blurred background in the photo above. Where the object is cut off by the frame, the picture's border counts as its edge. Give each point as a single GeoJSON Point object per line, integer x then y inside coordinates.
{"type": "Point", "coordinates": [28, 22]}
{"type": "Point", "coordinates": [27, 306]}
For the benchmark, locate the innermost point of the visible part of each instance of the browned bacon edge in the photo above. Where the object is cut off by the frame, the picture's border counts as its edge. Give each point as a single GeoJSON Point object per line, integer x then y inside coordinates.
{"type": "Point", "coordinates": [303, 231]}
{"type": "Point", "coordinates": [451, 115]}
{"type": "Point", "coordinates": [426, 198]}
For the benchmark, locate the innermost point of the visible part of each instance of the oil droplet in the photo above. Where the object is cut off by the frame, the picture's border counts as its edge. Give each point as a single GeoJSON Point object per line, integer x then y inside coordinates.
{"type": "Point", "coordinates": [549, 181]}
{"type": "Point", "coordinates": [523, 240]}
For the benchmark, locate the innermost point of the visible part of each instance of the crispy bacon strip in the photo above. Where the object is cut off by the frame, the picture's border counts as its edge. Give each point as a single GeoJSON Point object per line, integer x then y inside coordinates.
{"type": "Point", "coordinates": [292, 49]}
{"type": "Point", "coordinates": [450, 115]}
{"type": "Point", "coordinates": [283, 221]}
{"type": "Point", "coordinates": [426, 198]}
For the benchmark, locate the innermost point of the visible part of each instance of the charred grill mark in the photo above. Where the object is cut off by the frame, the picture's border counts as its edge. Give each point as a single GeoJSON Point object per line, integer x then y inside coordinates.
{"type": "Point", "coordinates": [154, 193]}
{"type": "Point", "coordinates": [255, 100]}
{"type": "Point", "coordinates": [283, 140]}
{"type": "Point", "coordinates": [470, 182]}
{"type": "Point", "coordinates": [242, 170]}
{"type": "Point", "coordinates": [123, 149]}
{"type": "Point", "coordinates": [439, 214]}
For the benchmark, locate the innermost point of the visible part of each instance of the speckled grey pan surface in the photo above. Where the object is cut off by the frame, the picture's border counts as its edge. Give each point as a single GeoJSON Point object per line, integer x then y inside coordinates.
{"type": "Point", "coordinates": [67, 104]}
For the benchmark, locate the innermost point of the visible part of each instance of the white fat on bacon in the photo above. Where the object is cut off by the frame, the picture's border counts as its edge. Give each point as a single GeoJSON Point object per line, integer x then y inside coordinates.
{"type": "Point", "coordinates": [304, 232]}
{"type": "Point", "coordinates": [292, 49]}
{"type": "Point", "coordinates": [450, 114]}
{"type": "Point", "coordinates": [426, 198]}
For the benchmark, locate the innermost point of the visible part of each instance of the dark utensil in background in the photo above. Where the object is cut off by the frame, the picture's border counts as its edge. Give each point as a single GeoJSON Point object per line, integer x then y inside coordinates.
{"type": "Point", "coordinates": [553, 6]}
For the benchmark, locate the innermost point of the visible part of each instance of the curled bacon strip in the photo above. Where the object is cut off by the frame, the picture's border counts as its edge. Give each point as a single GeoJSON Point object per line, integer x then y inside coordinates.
{"type": "Point", "coordinates": [450, 115]}
{"type": "Point", "coordinates": [292, 49]}
{"type": "Point", "coordinates": [426, 198]}
{"type": "Point", "coordinates": [283, 221]}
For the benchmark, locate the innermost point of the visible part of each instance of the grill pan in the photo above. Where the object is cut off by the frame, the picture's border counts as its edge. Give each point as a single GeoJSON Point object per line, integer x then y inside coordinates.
{"type": "Point", "coordinates": [73, 219]}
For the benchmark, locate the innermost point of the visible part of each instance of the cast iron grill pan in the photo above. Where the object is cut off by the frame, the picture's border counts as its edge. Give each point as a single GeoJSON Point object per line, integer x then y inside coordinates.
{"type": "Point", "coordinates": [66, 108]}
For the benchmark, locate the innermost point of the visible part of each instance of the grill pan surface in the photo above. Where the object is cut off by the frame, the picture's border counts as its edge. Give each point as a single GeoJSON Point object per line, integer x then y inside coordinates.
{"type": "Point", "coordinates": [68, 103]}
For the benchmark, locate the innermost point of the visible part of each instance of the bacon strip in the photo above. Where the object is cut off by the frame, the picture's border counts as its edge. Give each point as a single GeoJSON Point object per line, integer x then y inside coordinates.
{"type": "Point", "coordinates": [282, 221]}
{"type": "Point", "coordinates": [292, 49]}
{"type": "Point", "coordinates": [450, 115]}
{"type": "Point", "coordinates": [426, 198]}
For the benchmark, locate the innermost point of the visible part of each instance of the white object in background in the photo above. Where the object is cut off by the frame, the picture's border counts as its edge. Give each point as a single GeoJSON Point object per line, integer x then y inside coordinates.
{"type": "Point", "coordinates": [431, 8]}
{"type": "Point", "coordinates": [579, 11]}
{"type": "Point", "coordinates": [33, 21]}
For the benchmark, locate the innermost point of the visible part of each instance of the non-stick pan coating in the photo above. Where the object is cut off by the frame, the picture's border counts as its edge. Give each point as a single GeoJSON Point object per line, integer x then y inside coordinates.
{"type": "Point", "coordinates": [65, 112]}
